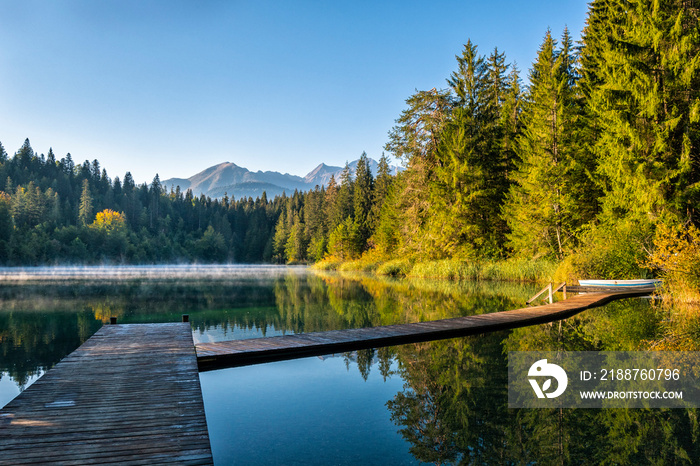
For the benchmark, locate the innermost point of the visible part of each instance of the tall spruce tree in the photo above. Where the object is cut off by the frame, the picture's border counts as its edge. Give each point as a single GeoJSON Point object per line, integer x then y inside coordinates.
{"type": "Point", "coordinates": [642, 82]}
{"type": "Point", "coordinates": [363, 197]}
{"type": "Point", "coordinates": [316, 231]}
{"type": "Point", "coordinates": [382, 183]}
{"type": "Point", "coordinates": [541, 210]}
{"type": "Point", "coordinates": [6, 225]}
{"type": "Point", "coordinates": [390, 230]}
{"type": "Point", "coordinates": [344, 207]}
{"type": "Point", "coordinates": [472, 166]}
{"type": "Point", "coordinates": [510, 119]}
{"type": "Point", "coordinates": [297, 244]}
{"type": "Point", "coordinates": [332, 218]}
{"type": "Point", "coordinates": [25, 154]}
{"type": "Point", "coordinates": [468, 81]}
{"type": "Point", "coordinates": [86, 204]}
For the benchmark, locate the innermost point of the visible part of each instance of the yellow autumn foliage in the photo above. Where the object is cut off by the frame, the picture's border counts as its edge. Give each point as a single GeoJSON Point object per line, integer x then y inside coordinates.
{"type": "Point", "coordinates": [110, 221]}
{"type": "Point", "coordinates": [676, 255]}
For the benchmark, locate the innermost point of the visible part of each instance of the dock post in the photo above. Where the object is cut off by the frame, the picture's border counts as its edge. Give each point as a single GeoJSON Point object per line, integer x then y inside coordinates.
{"type": "Point", "coordinates": [113, 320]}
{"type": "Point", "coordinates": [185, 317]}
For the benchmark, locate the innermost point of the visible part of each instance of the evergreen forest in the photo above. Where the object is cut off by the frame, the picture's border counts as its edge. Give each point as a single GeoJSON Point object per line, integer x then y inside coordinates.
{"type": "Point", "coordinates": [589, 161]}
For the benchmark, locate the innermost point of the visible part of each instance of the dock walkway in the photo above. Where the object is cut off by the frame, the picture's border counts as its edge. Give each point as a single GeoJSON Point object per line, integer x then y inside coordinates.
{"type": "Point", "coordinates": [129, 395]}
{"type": "Point", "coordinates": [234, 353]}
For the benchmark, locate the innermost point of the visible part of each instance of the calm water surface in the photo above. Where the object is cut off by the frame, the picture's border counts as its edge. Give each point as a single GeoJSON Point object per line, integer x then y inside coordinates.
{"type": "Point", "coordinates": [442, 402]}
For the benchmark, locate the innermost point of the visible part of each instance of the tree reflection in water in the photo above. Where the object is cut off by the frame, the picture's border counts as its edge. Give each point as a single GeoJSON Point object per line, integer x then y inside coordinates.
{"type": "Point", "coordinates": [453, 408]}
{"type": "Point", "coordinates": [32, 343]}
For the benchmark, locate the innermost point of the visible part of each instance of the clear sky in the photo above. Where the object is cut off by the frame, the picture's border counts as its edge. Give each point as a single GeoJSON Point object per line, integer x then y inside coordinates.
{"type": "Point", "coordinates": [173, 87]}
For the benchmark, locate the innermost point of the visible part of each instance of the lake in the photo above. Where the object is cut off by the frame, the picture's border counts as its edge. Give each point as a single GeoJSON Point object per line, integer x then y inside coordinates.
{"type": "Point", "coordinates": [442, 402]}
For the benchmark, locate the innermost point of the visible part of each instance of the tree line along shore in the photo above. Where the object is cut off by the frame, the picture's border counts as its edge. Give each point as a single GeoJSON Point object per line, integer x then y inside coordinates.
{"type": "Point", "coordinates": [586, 167]}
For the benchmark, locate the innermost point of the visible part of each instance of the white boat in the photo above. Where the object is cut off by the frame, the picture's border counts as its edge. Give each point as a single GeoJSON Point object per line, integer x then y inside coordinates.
{"type": "Point", "coordinates": [622, 283]}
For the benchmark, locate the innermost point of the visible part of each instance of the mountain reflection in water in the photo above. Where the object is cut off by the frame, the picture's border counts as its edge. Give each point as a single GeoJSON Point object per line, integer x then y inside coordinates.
{"type": "Point", "coordinates": [447, 399]}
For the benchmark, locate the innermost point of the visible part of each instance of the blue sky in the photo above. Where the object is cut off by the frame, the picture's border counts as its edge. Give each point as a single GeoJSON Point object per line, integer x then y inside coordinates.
{"type": "Point", "coordinates": [173, 87]}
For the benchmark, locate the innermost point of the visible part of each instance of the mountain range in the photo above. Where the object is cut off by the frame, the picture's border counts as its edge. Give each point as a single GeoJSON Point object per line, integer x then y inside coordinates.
{"type": "Point", "coordinates": [229, 179]}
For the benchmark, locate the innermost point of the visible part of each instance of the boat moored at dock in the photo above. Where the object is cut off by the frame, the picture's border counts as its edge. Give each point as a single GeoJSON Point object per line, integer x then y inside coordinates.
{"type": "Point", "coordinates": [641, 283]}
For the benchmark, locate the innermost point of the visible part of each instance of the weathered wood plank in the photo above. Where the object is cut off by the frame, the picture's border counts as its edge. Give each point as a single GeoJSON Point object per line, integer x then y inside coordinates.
{"type": "Point", "coordinates": [129, 395]}
{"type": "Point", "coordinates": [258, 350]}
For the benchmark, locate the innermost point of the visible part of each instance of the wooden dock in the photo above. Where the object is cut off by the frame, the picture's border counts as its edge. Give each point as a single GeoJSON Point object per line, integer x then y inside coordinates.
{"type": "Point", "coordinates": [129, 395]}
{"type": "Point", "coordinates": [234, 353]}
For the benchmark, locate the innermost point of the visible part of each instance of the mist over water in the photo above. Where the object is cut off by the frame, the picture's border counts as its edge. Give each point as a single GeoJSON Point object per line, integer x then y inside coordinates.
{"type": "Point", "coordinates": [144, 272]}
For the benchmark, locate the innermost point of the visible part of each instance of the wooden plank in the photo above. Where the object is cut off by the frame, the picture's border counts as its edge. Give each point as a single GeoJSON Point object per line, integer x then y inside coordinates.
{"type": "Point", "coordinates": [128, 395]}
{"type": "Point", "coordinates": [258, 350]}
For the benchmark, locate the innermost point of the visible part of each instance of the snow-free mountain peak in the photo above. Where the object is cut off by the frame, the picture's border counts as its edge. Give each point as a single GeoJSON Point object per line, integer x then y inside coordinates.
{"type": "Point", "coordinates": [229, 179]}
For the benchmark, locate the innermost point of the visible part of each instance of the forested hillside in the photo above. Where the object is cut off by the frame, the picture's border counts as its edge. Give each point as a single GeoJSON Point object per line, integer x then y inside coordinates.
{"type": "Point", "coordinates": [579, 162]}
{"type": "Point", "coordinates": [53, 211]}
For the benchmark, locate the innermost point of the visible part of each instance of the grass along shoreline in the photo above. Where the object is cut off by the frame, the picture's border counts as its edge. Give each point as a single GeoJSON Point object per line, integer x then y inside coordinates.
{"type": "Point", "coordinates": [520, 270]}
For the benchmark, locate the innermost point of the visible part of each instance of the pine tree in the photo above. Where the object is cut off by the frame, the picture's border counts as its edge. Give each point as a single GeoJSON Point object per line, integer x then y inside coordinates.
{"type": "Point", "coordinates": [128, 184]}
{"type": "Point", "coordinates": [51, 158]}
{"type": "Point", "coordinates": [344, 200]}
{"type": "Point", "coordinates": [382, 184]}
{"type": "Point", "coordinates": [344, 241]}
{"type": "Point", "coordinates": [85, 206]}
{"type": "Point", "coordinates": [36, 204]}
{"type": "Point", "coordinates": [363, 197]}
{"type": "Point", "coordinates": [155, 191]}
{"type": "Point", "coordinates": [386, 233]}
{"type": "Point", "coordinates": [297, 244]}
{"type": "Point", "coordinates": [499, 127]}
{"type": "Point", "coordinates": [24, 155]}
{"type": "Point", "coordinates": [3, 154]}
{"type": "Point", "coordinates": [95, 171]}
{"type": "Point", "coordinates": [315, 223]}
{"type": "Point", "coordinates": [6, 225]}
{"type": "Point", "coordinates": [67, 164]}
{"type": "Point", "coordinates": [510, 120]}
{"type": "Point", "coordinates": [53, 207]}
{"type": "Point", "coordinates": [471, 173]}
{"type": "Point", "coordinates": [330, 205]}
{"type": "Point", "coordinates": [9, 186]}
{"type": "Point", "coordinates": [541, 211]}
{"type": "Point", "coordinates": [19, 207]}
{"type": "Point", "coordinates": [280, 239]}
{"type": "Point", "coordinates": [467, 83]}
{"type": "Point", "coordinates": [642, 82]}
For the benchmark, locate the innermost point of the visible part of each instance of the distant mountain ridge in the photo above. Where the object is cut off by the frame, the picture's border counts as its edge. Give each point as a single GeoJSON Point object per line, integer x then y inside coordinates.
{"type": "Point", "coordinates": [229, 179]}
